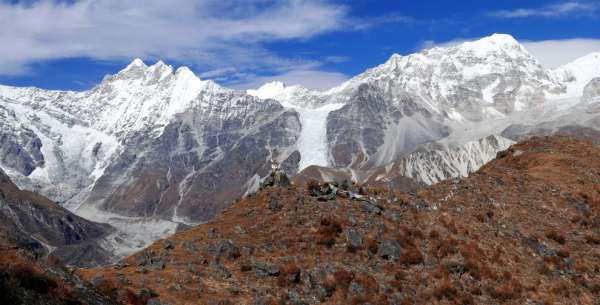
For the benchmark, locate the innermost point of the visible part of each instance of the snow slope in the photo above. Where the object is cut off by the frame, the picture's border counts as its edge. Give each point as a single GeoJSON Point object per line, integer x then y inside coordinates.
{"type": "Point", "coordinates": [577, 74]}
{"type": "Point", "coordinates": [312, 143]}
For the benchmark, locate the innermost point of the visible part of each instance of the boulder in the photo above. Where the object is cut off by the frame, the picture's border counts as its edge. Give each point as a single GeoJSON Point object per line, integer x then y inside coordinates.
{"type": "Point", "coordinates": [353, 239]}
{"type": "Point", "coordinates": [389, 249]}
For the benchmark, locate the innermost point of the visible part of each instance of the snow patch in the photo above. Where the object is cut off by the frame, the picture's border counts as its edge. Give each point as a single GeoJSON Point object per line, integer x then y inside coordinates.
{"type": "Point", "coordinates": [312, 143]}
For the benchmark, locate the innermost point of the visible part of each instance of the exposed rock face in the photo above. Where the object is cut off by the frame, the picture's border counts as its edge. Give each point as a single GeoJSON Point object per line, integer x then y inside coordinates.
{"type": "Point", "coordinates": [198, 165]}
{"type": "Point", "coordinates": [20, 148]}
{"type": "Point", "coordinates": [372, 126]}
{"type": "Point", "coordinates": [423, 167]}
{"type": "Point", "coordinates": [49, 228]}
{"type": "Point", "coordinates": [591, 92]}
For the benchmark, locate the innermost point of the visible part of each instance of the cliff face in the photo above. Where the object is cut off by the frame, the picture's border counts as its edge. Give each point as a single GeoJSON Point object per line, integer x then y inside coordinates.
{"type": "Point", "coordinates": [524, 227]}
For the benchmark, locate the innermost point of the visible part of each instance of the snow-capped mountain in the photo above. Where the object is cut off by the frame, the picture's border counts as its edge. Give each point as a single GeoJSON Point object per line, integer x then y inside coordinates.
{"type": "Point", "coordinates": [577, 74]}
{"type": "Point", "coordinates": [152, 148]}
{"type": "Point", "coordinates": [450, 95]}
{"type": "Point", "coordinates": [146, 150]}
{"type": "Point", "coordinates": [473, 81]}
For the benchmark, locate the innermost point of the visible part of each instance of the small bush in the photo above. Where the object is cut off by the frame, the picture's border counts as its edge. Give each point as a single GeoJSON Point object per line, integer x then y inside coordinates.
{"type": "Point", "coordinates": [433, 234]}
{"type": "Point", "coordinates": [564, 253]}
{"type": "Point", "coordinates": [328, 231]}
{"type": "Point", "coordinates": [289, 275]}
{"type": "Point", "coordinates": [557, 237]}
{"type": "Point", "coordinates": [444, 247]}
{"type": "Point", "coordinates": [507, 291]}
{"type": "Point", "coordinates": [592, 239]}
{"type": "Point", "coordinates": [343, 278]}
{"type": "Point", "coordinates": [330, 284]}
{"type": "Point", "coordinates": [371, 244]}
{"type": "Point", "coordinates": [445, 290]}
{"type": "Point", "coordinates": [396, 284]}
{"type": "Point", "coordinates": [411, 256]}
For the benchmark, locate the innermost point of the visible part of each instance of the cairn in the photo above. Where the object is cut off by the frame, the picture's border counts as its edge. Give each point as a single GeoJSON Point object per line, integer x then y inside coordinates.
{"type": "Point", "coordinates": [277, 177]}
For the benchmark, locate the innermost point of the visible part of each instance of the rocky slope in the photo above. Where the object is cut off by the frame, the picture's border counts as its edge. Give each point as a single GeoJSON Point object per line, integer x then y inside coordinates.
{"type": "Point", "coordinates": [46, 228]}
{"type": "Point", "coordinates": [523, 229]}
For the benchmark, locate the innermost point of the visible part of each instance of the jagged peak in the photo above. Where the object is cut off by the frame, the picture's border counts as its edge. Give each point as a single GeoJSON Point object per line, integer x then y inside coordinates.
{"type": "Point", "coordinates": [136, 63]}
{"type": "Point", "coordinates": [183, 70]}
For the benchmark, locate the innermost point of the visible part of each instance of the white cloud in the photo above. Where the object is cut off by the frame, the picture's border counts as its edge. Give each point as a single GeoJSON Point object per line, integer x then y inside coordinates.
{"type": "Point", "coordinates": [550, 53]}
{"type": "Point", "coordinates": [555, 53]}
{"type": "Point", "coordinates": [312, 79]}
{"type": "Point", "coordinates": [550, 11]}
{"type": "Point", "coordinates": [225, 38]}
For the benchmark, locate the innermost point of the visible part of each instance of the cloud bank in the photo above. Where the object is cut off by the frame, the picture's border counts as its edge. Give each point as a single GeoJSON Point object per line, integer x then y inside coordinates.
{"type": "Point", "coordinates": [550, 11]}
{"type": "Point", "coordinates": [224, 38]}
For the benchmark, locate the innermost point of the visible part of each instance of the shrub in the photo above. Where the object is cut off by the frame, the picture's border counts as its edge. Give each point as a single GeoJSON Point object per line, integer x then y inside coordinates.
{"type": "Point", "coordinates": [465, 299]}
{"type": "Point", "coordinates": [371, 244]}
{"type": "Point", "coordinates": [444, 247]}
{"type": "Point", "coordinates": [507, 291]}
{"type": "Point", "coordinates": [289, 275]}
{"type": "Point", "coordinates": [343, 278]}
{"type": "Point", "coordinates": [445, 290]}
{"type": "Point", "coordinates": [557, 237]}
{"type": "Point", "coordinates": [396, 284]}
{"type": "Point", "coordinates": [328, 231]}
{"type": "Point", "coordinates": [411, 256]}
{"type": "Point", "coordinates": [564, 253]}
{"type": "Point", "coordinates": [433, 234]}
{"type": "Point", "coordinates": [592, 239]}
{"type": "Point", "coordinates": [329, 283]}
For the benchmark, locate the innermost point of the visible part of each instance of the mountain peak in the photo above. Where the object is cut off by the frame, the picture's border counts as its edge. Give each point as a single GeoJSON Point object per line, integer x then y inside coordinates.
{"type": "Point", "coordinates": [137, 62]}
{"type": "Point", "coordinates": [493, 43]}
{"type": "Point", "coordinates": [500, 39]}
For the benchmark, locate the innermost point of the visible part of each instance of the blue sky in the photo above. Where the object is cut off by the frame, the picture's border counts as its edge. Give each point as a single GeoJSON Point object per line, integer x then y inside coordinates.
{"type": "Point", "coordinates": [318, 43]}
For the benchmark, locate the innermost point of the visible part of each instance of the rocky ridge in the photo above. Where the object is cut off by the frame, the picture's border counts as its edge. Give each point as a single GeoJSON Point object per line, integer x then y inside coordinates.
{"type": "Point", "coordinates": [524, 228]}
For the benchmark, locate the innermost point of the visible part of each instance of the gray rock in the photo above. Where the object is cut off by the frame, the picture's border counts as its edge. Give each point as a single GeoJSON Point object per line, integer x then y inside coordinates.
{"type": "Point", "coordinates": [355, 288]}
{"type": "Point", "coordinates": [190, 246]}
{"type": "Point", "coordinates": [353, 239]}
{"type": "Point", "coordinates": [389, 249]}
{"type": "Point", "coordinates": [220, 270]}
{"type": "Point", "coordinates": [263, 269]}
{"type": "Point", "coordinates": [168, 244]}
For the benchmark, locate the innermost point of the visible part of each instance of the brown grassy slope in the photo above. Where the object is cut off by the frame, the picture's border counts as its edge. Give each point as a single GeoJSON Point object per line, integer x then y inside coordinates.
{"type": "Point", "coordinates": [525, 229]}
